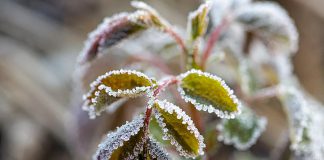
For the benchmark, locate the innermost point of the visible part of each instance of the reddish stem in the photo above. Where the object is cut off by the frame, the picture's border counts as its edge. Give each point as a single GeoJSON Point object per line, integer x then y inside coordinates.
{"type": "Point", "coordinates": [165, 83]}
{"type": "Point", "coordinates": [213, 38]}
{"type": "Point", "coordinates": [178, 39]}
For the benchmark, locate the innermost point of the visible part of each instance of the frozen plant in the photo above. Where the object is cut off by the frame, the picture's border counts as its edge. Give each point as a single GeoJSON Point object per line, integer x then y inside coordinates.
{"type": "Point", "coordinates": [232, 39]}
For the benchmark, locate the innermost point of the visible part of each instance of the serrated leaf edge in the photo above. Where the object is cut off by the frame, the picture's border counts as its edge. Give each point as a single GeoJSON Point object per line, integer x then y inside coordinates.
{"type": "Point", "coordinates": [210, 108]}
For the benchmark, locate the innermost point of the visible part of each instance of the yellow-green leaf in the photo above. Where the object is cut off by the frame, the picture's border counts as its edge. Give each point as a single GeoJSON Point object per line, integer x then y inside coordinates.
{"type": "Point", "coordinates": [198, 21]}
{"type": "Point", "coordinates": [125, 143]}
{"type": "Point", "coordinates": [112, 86]}
{"type": "Point", "coordinates": [208, 93]}
{"type": "Point", "coordinates": [179, 129]}
{"type": "Point", "coordinates": [243, 131]}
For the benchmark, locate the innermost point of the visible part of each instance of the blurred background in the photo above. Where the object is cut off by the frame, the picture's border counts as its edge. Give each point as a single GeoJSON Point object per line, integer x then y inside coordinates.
{"type": "Point", "coordinates": [39, 44]}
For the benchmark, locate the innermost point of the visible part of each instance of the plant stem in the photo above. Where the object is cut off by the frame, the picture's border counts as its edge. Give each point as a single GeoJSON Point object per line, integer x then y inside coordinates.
{"type": "Point", "coordinates": [165, 83]}
{"type": "Point", "coordinates": [178, 39]}
{"type": "Point", "coordinates": [213, 38]}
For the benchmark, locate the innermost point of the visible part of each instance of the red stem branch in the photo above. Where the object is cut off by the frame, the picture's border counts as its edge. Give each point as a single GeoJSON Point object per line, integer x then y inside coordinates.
{"type": "Point", "coordinates": [161, 87]}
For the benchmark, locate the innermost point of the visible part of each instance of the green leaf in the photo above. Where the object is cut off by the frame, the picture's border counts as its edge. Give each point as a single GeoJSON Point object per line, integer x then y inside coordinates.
{"type": "Point", "coordinates": [208, 93]}
{"type": "Point", "coordinates": [243, 131]}
{"type": "Point", "coordinates": [179, 129]}
{"type": "Point", "coordinates": [114, 85]}
{"type": "Point", "coordinates": [125, 143]}
{"type": "Point", "coordinates": [271, 22]}
{"type": "Point", "coordinates": [156, 131]}
{"type": "Point", "coordinates": [198, 21]}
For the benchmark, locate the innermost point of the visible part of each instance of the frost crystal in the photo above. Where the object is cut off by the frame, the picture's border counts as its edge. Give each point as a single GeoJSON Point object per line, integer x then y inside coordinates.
{"type": "Point", "coordinates": [210, 108]}
{"type": "Point", "coordinates": [136, 91]}
{"type": "Point", "coordinates": [156, 151]}
{"type": "Point", "coordinates": [100, 95]}
{"type": "Point", "coordinates": [234, 131]}
{"type": "Point", "coordinates": [117, 139]}
{"type": "Point", "coordinates": [171, 108]}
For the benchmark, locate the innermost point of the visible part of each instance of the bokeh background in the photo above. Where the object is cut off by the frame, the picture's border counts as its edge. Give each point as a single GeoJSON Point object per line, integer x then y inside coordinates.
{"type": "Point", "coordinates": [39, 44]}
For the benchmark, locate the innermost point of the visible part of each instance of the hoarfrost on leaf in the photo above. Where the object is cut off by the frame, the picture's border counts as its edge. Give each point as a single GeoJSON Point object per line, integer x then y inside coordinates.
{"type": "Point", "coordinates": [114, 85]}
{"type": "Point", "coordinates": [305, 123]}
{"type": "Point", "coordinates": [110, 32]}
{"type": "Point", "coordinates": [243, 131]}
{"type": "Point", "coordinates": [198, 21]}
{"type": "Point", "coordinates": [125, 143]}
{"type": "Point", "coordinates": [178, 127]}
{"type": "Point", "coordinates": [156, 151]}
{"type": "Point", "coordinates": [208, 93]}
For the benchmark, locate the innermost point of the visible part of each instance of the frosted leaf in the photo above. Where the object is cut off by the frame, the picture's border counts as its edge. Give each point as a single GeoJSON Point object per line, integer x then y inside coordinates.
{"type": "Point", "coordinates": [208, 93]}
{"type": "Point", "coordinates": [198, 21]}
{"type": "Point", "coordinates": [148, 16]}
{"type": "Point", "coordinates": [96, 101]}
{"type": "Point", "coordinates": [271, 22]}
{"type": "Point", "coordinates": [126, 142]}
{"type": "Point", "coordinates": [243, 131]}
{"type": "Point", "coordinates": [299, 119]}
{"type": "Point", "coordinates": [155, 151]}
{"type": "Point", "coordinates": [296, 108]}
{"type": "Point", "coordinates": [112, 86]}
{"type": "Point", "coordinates": [305, 117]}
{"type": "Point", "coordinates": [110, 32]}
{"type": "Point", "coordinates": [178, 127]}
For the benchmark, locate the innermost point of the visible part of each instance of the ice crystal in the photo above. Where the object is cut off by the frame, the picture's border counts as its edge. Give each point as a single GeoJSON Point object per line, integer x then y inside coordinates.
{"type": "Point", "coordinates": [186, 120]}
{"type": "Point", "coordinates": [134, 92]}
{"type": "Point", "coordinates": [156, 151]}
{"type": "Point", "coordinates": [209, 107]}
{"type": "Point", "coordinates": [243, 131]}
{"type": "Point", "coordinates": [119, 138]}
{"type": "Point", "coordinates": [108, 89]}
